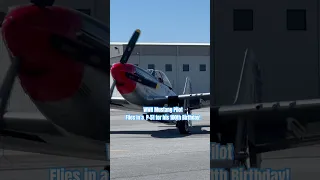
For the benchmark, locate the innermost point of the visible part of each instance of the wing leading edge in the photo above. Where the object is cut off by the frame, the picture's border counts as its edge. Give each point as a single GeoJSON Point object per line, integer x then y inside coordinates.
{"type": "Point", "coordinates": [276, 126]}
{"type": "Point", "coordinates": [197, 101]}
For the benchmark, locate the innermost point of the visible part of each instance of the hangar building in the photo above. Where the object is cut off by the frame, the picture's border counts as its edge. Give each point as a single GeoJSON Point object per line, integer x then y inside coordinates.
{"type": "Point", "coordinates": [285, 38]}
{"type": "Point", "coordinates": [176, 60]}
{"type": "Point", "coordinates": [96, 8]}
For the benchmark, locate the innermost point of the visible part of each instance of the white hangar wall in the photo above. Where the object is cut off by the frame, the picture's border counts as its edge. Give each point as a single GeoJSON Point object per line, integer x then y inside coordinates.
{"type": "Point", "coordinates": [176, 60]}
{"type": "Point", "coordinates": [19, 100]}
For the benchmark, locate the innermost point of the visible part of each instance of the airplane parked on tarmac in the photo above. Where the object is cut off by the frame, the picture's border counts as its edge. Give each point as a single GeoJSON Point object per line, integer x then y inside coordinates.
{"type": "Point", "coordinates": [139, 87]}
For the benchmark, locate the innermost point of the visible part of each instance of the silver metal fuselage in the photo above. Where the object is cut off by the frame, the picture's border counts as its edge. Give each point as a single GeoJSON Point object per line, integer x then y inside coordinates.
{"type": "Point", "coordinates": [145, 96]}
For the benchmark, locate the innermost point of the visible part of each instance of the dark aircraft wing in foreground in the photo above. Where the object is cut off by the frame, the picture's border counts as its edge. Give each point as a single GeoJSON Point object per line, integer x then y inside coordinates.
{"type": "Point", "coordinates": [275, 126]}
{"type": "Point", "coordinates": [32, 132]}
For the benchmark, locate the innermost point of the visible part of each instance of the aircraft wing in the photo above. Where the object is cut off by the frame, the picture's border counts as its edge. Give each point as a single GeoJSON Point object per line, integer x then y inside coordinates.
{"type": "Point", "coordinates": [197, 101]}
{"type": "Point", "coordinates": [119, 103]}
{"type": "Point", "coordinates": [32, 132]}
{"type": "Point", "coordinates": [274, 126]}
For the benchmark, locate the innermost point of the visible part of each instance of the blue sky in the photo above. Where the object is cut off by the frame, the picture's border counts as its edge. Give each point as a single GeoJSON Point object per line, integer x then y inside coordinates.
{"type": "Point", "coordinates": [180, 21]}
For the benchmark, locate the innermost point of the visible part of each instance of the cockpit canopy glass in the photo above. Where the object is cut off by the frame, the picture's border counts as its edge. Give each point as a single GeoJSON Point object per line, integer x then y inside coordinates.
{"type": "Point", "coordinates": [161, 77]}
{"type": "Point", "coordinates": [147, 75]}
{"type": "Point", "coordinates": [151, 71]}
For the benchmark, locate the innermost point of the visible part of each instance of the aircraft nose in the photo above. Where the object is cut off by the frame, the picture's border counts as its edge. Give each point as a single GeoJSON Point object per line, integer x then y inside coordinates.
{"type": "Point", "coordinates": [124, 84]}
{"type": "Point", "coordinates": [118, 71]}
{"type": "Point", "coordinates": [26, 32]}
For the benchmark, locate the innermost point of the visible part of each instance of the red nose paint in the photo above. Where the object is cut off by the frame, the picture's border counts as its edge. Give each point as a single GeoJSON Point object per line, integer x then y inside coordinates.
{"type": "Point", "coordinates": [46, 75]}
{"type": "Point", "coordinates": [124, 84]}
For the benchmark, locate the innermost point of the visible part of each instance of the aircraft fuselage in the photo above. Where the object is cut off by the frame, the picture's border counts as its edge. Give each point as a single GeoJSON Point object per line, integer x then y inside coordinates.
{"type": "Point", "coordinates": [134, 92]}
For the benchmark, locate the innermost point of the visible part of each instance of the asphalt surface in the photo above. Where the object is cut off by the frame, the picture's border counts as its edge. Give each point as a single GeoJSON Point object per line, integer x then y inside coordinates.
{"type": "Point", "coordinates": [143, 151]}
{"type": "Point", "coordinates": [17, 165]}
{"type": "Point", "coordinates": [304, 162]}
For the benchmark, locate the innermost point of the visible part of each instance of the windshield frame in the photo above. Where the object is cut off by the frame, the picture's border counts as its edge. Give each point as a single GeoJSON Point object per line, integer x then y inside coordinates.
{"type": "Point", "coordinates": [164, 78]}
{"type": "Point", "coordinates": [146, 74]}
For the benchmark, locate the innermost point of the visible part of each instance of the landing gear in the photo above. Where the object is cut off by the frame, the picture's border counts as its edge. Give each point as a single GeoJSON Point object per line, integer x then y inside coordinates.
{"type": "Point", "coordinates": [244, 150]}
{"type": "Point", "coordinates": [245, 154]}
{"type": "Point", "coordinates": [247, 157]}
{"type": "Point", "coordinates": [107, 168]}
{"type": "Point", "coordinates": [183, 127]}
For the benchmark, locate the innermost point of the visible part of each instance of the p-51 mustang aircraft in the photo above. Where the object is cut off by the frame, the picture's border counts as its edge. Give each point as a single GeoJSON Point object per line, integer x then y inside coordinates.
{"type": "Point", "coordinates": [139, 87]}
{"type": "Point", "coordinates": [61, 57]}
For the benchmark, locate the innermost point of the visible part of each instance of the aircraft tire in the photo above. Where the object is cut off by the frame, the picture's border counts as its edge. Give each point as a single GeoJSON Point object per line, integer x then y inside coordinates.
{"type": "Point", "coordinates": [255, 159]}
{"type": "Point", "coordinates": [183, 127]}
{"type": "Point", "coordinates": [107, 168]}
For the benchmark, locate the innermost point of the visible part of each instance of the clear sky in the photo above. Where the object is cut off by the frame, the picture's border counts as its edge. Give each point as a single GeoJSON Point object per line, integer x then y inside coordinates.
{"type": "Point", "coordinates": [179, 21]}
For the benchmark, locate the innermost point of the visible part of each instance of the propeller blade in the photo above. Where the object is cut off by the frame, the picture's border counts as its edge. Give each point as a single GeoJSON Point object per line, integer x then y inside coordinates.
{"type": "Point", "coordinates": [132, 43]}
{"type": "Point", "coordinates": [6, 88]}
{"type": "Point", "coordinates": [112, 88]}
{"type": "Point", "coordinates": [89, 53]}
